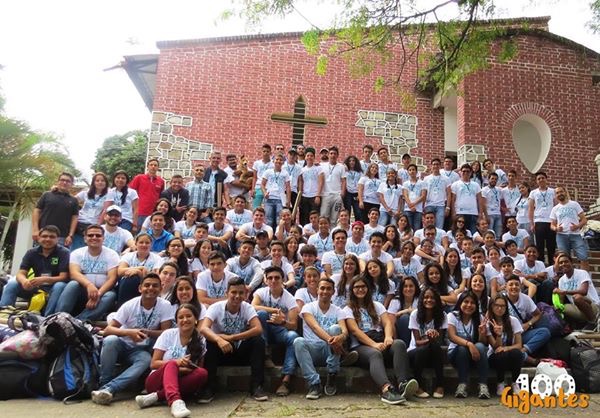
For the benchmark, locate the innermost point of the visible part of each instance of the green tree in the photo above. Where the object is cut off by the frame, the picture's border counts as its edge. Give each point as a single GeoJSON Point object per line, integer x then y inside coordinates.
{"type": "Point", "coordinates": [30, 164]}
{"type": "Point", "coordinates": [122, 152]}
{"type": "Point", "coordinates": [444, 39]}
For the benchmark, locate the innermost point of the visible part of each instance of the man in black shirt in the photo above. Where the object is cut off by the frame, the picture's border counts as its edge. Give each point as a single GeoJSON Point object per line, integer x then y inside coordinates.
{"type": "Point", "coordinates": [57, 207]}
{"type": "Point", "coordinates": [45, 267]}
{"type": "Point", "coordinates": [179, 197]}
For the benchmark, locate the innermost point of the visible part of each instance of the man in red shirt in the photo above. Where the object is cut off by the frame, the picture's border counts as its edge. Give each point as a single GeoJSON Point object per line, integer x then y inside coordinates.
{"type": "Point", "coordinates": [149, 186]}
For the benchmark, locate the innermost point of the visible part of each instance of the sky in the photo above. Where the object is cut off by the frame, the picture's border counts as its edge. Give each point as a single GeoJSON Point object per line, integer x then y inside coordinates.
{"type": "Point", "coordinates": [54, 54]}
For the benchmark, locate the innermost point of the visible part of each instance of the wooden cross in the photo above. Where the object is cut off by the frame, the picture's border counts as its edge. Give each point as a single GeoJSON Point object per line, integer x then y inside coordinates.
{"type": "Point", "coordinates": [298, 120]}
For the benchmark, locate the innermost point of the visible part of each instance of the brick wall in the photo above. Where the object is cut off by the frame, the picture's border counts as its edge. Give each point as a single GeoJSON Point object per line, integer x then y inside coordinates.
{"type": "Point", "coordinates": [231, 88]}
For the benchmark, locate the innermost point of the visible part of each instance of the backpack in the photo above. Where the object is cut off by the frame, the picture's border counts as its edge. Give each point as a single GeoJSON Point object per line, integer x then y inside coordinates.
{"type": "Point", "coordinates": [585, 367]}
{"type": "Point", "coordinates": [551, 320]}
{"type": "Point", "coordinates": [74, 374]}
{"type": "Point", "coordinates": [60, 330]}
{"type": "Point", "coordinates": [23, 378]}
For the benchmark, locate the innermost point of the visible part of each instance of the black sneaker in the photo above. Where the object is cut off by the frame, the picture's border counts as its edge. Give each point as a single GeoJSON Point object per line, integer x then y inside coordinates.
{"type": "Point", "coordinates": [314, 391]}
{"type": "Point", "coordinates": [392, 397]}
{"type": "Point", "coordinates": [408, 388]}
{"type": "Point", "coordinates": [349, 359]}
{"type": "Point", "coordinates": [330, 387]}
{"type": "Point", "coordinates": [206, 396]}
{"type": "Point", "coordinates": [259, 394]}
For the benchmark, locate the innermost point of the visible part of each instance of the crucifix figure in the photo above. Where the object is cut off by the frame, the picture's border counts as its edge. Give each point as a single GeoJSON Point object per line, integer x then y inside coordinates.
{"type": "Point", "coordinates": [298, 120]}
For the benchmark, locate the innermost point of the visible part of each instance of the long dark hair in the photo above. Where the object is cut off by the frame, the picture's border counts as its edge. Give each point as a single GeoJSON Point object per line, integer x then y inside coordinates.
{"type": "Point", "coordinates": [91, 194]}
{"type": "Point", "coordinates": [357, 165]}
{"type": "Point", "coordinates": [380, 283]}
{"type": "Point", "coordinates": [196, 346]}
{"type": "Point", "coordinates": [341, 288]}
{"type": "Point", "coordinates": [400, 290]}
{"type": "Point", "coordinates": [125, 189]}
{"type": "Point", "coordinates": [475, 318]}
{"type": "Point", "coordinates": [173, 296]}
{"type": "Point", "coordinates": [505, 318]}
{"type": "Point", "coordinates": [292, 258]}
{"type": "Point", "coordinates": [168, 215]}
{"type": "Point", "coordinates": [457, 273]}
{"type": "Point", "coordinates": [442, 286]}
{"type": "Point", "coordinates": [182, 261]}
{"type": "Point", "coordinates": [483, 302]}
{"type": "Point", "coordinates": [395, 240]}
{"type": "Point", "coordinates": [437, 311]}
{"type": "Point", "coordinates": [367, 303]}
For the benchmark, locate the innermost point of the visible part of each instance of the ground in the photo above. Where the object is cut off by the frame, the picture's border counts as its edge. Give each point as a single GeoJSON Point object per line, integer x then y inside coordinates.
{"type": "Point", "coordinates": [240, 405]}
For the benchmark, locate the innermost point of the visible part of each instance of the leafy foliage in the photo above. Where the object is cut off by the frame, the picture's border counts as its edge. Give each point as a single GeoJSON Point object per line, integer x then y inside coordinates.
{"type": "Point", "coordinates": [367, 34]}
{"type": "Point", "coordinates": [122, 152]}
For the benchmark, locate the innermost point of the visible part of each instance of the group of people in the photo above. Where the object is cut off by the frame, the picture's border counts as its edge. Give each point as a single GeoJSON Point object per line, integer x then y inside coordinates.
{"type": "Point", "coordinates": [339, 263]}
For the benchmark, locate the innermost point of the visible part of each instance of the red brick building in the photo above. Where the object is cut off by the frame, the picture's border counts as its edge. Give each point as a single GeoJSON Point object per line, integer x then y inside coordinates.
{"type": "Point", "coordinates": [539, 111]}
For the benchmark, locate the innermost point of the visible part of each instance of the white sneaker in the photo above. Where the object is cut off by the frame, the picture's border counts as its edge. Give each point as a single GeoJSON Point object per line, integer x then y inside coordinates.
{"type": "Point", "coordinates": [500, 388]}
{"type": "Point", "coordinates": [144, 401]}
{"type": "Point", "coordinates": [101, 397]}
{"type": "Point", "coordinates": [179, 410]}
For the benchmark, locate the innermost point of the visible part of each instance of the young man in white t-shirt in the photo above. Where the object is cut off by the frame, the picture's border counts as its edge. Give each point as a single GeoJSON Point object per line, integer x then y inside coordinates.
{"type": "Point", "coordinates": [438, 190]}
{"type": "Point", "coordinates": [212, 283]}
{"type": "Point", "coordinates": [334, 188]}
{"type": "Point", "coordinates": [376, 244]}
{"type": "Point", "coordinates": [233, 337]}
{"type": "Point", "coordinates": [220, 232]}
{"type": "Point", "coordinates": [567, 218]}
{"type": "Point", "coordinates": [322, 343]}
{"type": "Point", "coordinates": [115, 237]}
{"type": "Point", "coordinates": [332, 261]}
{"type": "Point", "coordinates": [541, 201]}
{"type": "Point", "coordinates": [577, 288]}
{"type": "Point", "coordinates": [466, 199]}
{"type": "Point", "coordinates": [246, 266]}
{"type": "Point", "coordinates": [524, 309]}
{"type": "Point", "coordinates": [93, 272]}
{"type": "Point", "coordinates": [276, 191]}
{"type": "Point", "coordinates": [129, 337]}
{"type": "Point", "coordinates": [278, 314]}
{"type": "Point", "coordinates": [357, 244]}
{"type": "Point", "coordinates": [258, 168]}
{"type": "Point", "coordinates": [310, 183]}
{"type": "Point", "coordinates": [249, 230]}
{"type": "Point", "coordinates": [493, 198]}
{"type": "Point", "coordinates": [534, 271]}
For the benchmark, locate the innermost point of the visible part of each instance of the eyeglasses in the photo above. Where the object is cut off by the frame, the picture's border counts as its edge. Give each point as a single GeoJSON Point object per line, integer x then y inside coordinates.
{"type": "Point", "coordinates": [94, 235]}
{"type": "Point", "coordinates": [272, 278]}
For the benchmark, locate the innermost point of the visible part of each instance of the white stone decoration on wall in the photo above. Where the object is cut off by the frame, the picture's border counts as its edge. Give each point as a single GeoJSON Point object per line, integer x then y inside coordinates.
{"type": "Point", "coordinates": [398, 131]}
{"type": "Point", "coordinates": [175, 153]}
{"type": "Point", "coordinates": [468, 153]}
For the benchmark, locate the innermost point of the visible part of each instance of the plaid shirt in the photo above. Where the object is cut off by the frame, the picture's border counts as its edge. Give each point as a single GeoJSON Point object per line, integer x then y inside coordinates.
{"type": "Point", "coordinates": [201, 194]}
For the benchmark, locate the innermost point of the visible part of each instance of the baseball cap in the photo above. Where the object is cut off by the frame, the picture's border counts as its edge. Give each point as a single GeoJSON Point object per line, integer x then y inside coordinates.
{"type": "Point", "coordinates": [112, 208]}
{"type": "Point", "coordinates": [358, 223]}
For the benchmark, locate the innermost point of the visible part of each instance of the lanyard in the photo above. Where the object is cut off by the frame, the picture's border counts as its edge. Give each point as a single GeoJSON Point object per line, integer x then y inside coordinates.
{"type": "Point", "coordinates": [146, 319]}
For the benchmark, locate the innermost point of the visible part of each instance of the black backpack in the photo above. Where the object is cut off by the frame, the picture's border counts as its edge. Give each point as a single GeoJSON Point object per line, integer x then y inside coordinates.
{"type": "Point", "coordinates": [60, 330]}
{"type": "Point", "coordinates": [74, 374]}
{"type": "Point", "coordinates": [23, 378]}
{"type": "Point", "coordinates": [585, 367]}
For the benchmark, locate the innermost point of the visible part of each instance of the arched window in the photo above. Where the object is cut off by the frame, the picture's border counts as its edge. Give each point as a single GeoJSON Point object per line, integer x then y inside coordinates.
{"type": "Point", "coordinates": [531, 138]}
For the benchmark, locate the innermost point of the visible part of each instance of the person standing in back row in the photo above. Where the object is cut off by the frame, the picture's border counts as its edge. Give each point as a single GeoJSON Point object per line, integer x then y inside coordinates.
{"type": "Point", "coordinates": [335, 186]}
{"type": "Point", "coordinates": [541, 202]}
{"type": "Point", "coordinates": [148, 186]}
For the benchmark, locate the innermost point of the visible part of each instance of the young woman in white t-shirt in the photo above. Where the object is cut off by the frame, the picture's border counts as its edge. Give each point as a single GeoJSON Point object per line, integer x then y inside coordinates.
{"type": "Point", "coordinates": [199, 262]}
{"type": "Point", "coordinates": [373, 338]}
{"type": "Point", "coordinates": [467, 331]}
{"type": "Point", "coordinates": [184, 291]}
{"type": "Point", "coordinates": [177, 364]}
{"type": "Point", "coordinates": [404, 303]}
{"type": "Point", "coordinates": [428, 323]}
{"type": "Point", "coordinates": [504, 337]}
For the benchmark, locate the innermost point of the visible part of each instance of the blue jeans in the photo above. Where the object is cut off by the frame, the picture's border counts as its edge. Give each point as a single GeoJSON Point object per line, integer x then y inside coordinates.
{"type": "Point", "coordinates": [278, 334]}
{"type": "Point", "coordinates": [496, 225]}
{"type": "Point", "coordinates": [316, 353]}
{"type": "Point", "coordinates": [140, 221]}
{"type": "Point", "coordinates": [13, 289]}
{"type": "Point", "coordinates": [115, 350]}
{"type": "Point", "coordinates": [572, 242]}
{"type": "Point", "coordinates": [415, 219]}
{"type": "Point", "coordinates": [385, 218]}
{"type": "Point", "coordinates": [273, 208]}
{"type": "Point", "coordinates": [440, 215]}
{"type": "Point", "coordinates": [74, 296]}
{"type": "Point", "coordinates": [402, 331]}
{"type": "Point", "coordinates": [461, 359]}
{"type": "Point", "coordinates": [534, 339]}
